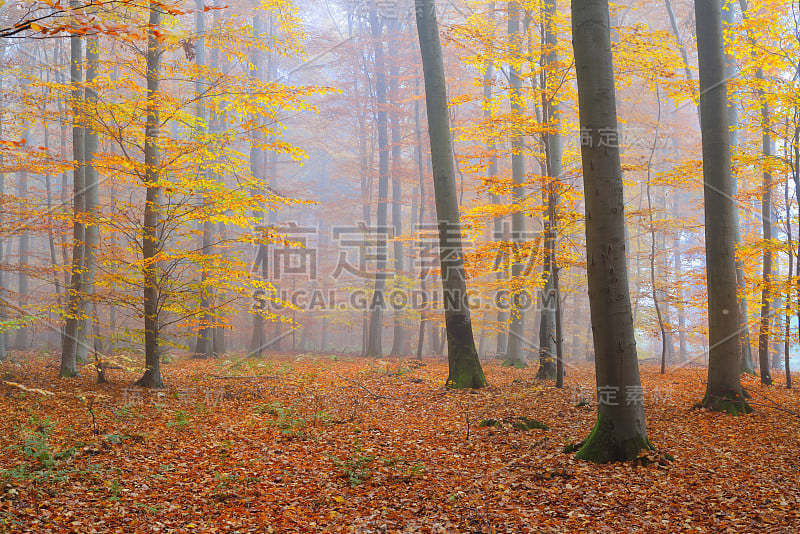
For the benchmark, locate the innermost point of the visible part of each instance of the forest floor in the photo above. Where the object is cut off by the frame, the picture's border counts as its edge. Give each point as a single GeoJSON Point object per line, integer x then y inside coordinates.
{"type": "Point", "coordinates": [324, 443]}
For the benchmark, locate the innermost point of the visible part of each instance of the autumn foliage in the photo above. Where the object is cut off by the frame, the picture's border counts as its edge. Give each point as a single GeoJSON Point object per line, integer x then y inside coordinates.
{"type": "Point", "coordinates": [312, 443]}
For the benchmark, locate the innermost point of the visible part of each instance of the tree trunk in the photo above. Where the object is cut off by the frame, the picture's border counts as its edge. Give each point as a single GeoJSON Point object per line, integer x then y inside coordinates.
{"type": "Point", "coordinates": [766, 222]}
{"type": "Point", "coordinates": [3, 292]}
{"type": "Point", "coordinates": [654, 289]}
{"type": "Point", "coordinates": [731, 72]}
{"type": "Point", "coordinates": [559, 333]}
{"type": "Point", "coordinates": [72, 329]}
{"type": "Point", "coordinates": [150, 242]}
{"type": "Point", "coordinates": [788, 310]}
{"type": "Point", "coordinates": [91, 228]}
{"type": "Point", "coordinates": [204, 347]}
{"type": "Point", "coordinates": [501, 342]}
{"type": "Point", "coordinates": [423, 320]}
{"type": "Point", "coordinates": [464, 367]}
{"type": "Point", "coordinates": [375, 331]}
{"type": "Point", "coordinates": [399, 344]}
{"type": "Point", "coordinates": [257, 169]}
{"type": "Point", "coordinates": [620, 432]}
{"type": "Point", "coordinates": [724, 389]}
{"type": "Point", "coordinates": [516, 329]}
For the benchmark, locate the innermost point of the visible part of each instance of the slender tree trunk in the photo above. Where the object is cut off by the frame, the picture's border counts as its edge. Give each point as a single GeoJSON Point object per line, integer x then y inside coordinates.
{"type": "Point", "coordinates": [464, 367]}
{"type": "Point", "coordinates": [559, 332]}
{"type": "Point", "coordinates": [150, 241]}
{"type": "Point", "coordinates": [376, 305]}
{"type": "Point", "coordinates": [204, 348]}
{"type": "Point", "coordinates": [257, 168]}
{"type": "Point", "coordinates": [788, 310]}
{"type": "Point", "coordinates": [72, 329]}
{"type": "Point", "coordinates": [549, 340]}
{"type": "Point", "coordinates": [399, 344]}
{"type": "Point", "coordinates": [766, 222]}
{"type": "Point", "coordinates": [22, 337]}
{"type": "Point", "coordinates": [654, 289]}
{"type": "Point", "coordinates": [91, 228]}
{"type": "Point", "coordinates": [215, 125]}
{"type": "Point", "coordinates": [731, 72]}
{"type": "Point", "coordinates": [723, 390]}
{"type": "Point", "coordinates": [683, 351]}
{"type": "Point", "coordinates": [620, 432]}
{"type": "Point", "coordinates": [423, 319]}
{"type": "Point", "coordinates": [501, 342]}
{"type": "Point", "coordinates": [516, 329]}
{"type": "Point", "coordinates": [3, 291]}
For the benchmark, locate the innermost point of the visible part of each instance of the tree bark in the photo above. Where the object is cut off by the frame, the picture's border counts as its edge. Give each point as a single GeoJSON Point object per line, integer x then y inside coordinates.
{"type": "Point", "coordinates": [72, 329]}
{"type": "Point", "coordinates": [620, 432]}
{"type": "Point", "coordinates": [549, 340]}
{"type": "Point", "coordinates": [723, 390]}
{"type": "Point", "coordinates": [399, 344]}
{"type": "Point", "coordinates": [731, 72]}
{"type": "Point", "coordinates": [375, 330]}
{"type": "Point", "coordinates": [423, 319]}
{"type": "Point", "coordinates": [501, 341]}
{"type": "Point", "coordinates": [91, 199]}
{"type": "Point", "coordinates": [3, 292]}
{"type": "Point", "coordinates": [516, 329]}
{"type": "Point", "coordinates": [150, 241]}
{"type": "Point", "coordinates": [766, 223]}
{"type": "Point", "coordinates": [204, 347]}
{"type": "Point", "coordinates": [464, 367]}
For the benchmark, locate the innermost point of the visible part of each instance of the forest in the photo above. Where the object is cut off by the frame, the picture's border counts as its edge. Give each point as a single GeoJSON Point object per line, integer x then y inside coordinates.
{"type": "Point", "coordinates": [376, 266]}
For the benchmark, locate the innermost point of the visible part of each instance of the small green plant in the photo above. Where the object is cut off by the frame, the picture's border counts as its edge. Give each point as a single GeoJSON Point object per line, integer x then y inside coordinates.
{"type": "Point", "coordinates": [40, 459]}
{"type": "Point", "coordinates": [114, 490]}
{"type": "Point", "coordinates": [290, 424]}
{"type": "Point", "coordinates": [181, 420]}
{"type": "Point", "coordinates": [356, 469]}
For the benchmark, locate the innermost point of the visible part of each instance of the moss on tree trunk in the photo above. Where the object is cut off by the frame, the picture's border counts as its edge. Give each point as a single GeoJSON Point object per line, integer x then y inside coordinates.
{"type": "Point", "coordinates": [605, 446]}
{"type": "Point", "coordinates": [729, 402]}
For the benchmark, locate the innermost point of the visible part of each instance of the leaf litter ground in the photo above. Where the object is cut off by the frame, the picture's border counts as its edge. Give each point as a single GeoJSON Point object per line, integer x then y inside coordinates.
{"type": "Point", "coordinates": [321, 443]}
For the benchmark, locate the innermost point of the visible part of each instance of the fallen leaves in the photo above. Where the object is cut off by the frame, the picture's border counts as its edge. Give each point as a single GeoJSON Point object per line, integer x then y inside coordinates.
{"type": "Point", "coordinates": [313, 444]}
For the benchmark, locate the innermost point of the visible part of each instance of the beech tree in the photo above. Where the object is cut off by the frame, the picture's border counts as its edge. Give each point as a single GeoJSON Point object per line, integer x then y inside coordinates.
{"type": "Point", "coordinates": [374, 345]}
{"type": "Point", "coordinates": [724, 389]}
{"type": "Point", "coordinates": [464, 367]}
{"type": "Point", "coordinates": [619, 433]}
{"type": "Point", "coordinates": [150, 239]}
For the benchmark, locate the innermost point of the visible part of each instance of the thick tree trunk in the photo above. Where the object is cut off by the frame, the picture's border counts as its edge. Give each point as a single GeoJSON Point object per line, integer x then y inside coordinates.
{"type": "Point", "coordinates": [150, 242]}
{"type": "Point", "coordinates": [464, 367]}
{"type": "Point", "coordinates": [619, 433]}
{"type": "Point", "coordinates": [723, 390]}
{"type": "Point", "coordinates": [376, 305]}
